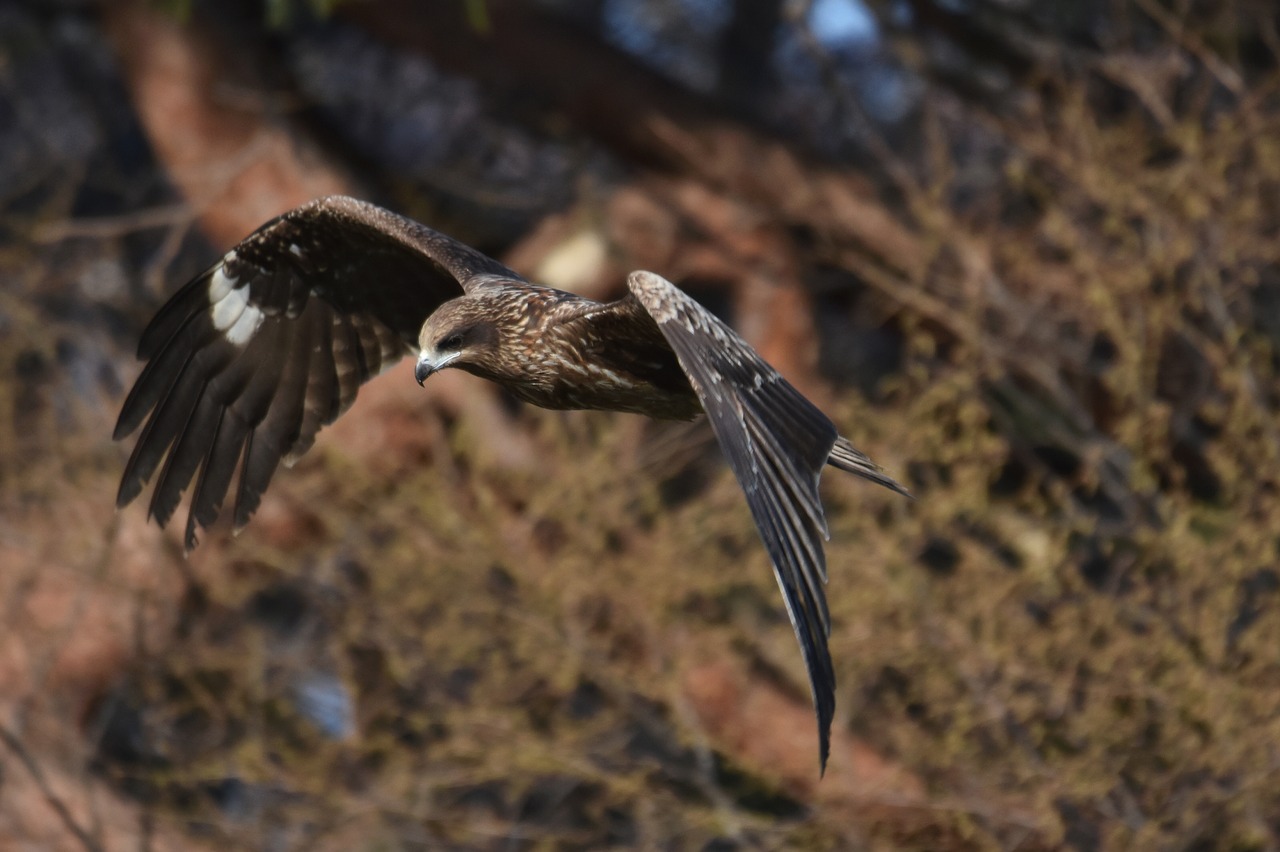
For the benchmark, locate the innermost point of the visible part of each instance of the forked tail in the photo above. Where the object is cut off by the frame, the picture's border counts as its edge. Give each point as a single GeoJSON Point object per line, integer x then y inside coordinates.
{"type": "Point", "coordinates": [846, 457]}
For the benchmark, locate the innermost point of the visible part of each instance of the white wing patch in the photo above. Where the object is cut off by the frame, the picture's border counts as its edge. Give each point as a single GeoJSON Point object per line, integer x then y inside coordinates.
{"type": "Point", "coordinates": [244, 327]}
{"type": "Point", "coordinates": [230, 309]}
{"type": "Point", "coordinates": [220, 283]}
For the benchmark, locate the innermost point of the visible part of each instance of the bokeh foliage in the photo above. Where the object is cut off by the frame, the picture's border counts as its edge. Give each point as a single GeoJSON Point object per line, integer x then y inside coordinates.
{"type": "Point", "coordinates": [1071, 637]}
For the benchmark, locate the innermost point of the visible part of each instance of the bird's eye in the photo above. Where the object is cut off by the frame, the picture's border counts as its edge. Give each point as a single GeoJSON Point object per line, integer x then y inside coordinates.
{"type": "Point", "coordinates": [453, 341]}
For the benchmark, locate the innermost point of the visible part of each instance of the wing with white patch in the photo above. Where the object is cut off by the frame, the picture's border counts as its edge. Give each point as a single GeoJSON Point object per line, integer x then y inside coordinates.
{"type": "Point", "coordinates": [247, 362]}
{"type": "Point", "coordinates": [777, 443]}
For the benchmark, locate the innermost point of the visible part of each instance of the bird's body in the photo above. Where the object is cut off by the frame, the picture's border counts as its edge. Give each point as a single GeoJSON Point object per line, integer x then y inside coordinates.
{"type": "Point", "coordinates": [248, 361]}
{"type": "Point", "coordinates": [558, 350]}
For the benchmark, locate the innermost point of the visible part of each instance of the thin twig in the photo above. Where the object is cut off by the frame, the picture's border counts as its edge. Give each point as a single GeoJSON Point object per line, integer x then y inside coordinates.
{"type": "Point", "coordinates": [59, 807]}
{"type": "Point", "coordinates": [1193, 44]}
{"type": "Point", "coordinates": [147, 218]}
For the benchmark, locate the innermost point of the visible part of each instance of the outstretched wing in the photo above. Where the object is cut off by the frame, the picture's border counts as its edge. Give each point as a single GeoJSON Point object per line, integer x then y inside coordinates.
{"type": "Point", "coordinates": [247, 362]}
{"type": "Point", "coordinates": [776, 442]}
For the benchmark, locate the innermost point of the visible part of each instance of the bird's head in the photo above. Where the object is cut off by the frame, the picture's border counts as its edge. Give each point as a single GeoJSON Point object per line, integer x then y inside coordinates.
{"type": "Point", "coordinates": [461, 333]}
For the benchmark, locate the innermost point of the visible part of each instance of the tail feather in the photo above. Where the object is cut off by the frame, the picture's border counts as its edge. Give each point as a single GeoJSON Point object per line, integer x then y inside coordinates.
{"type": "Point", "coordinates": [846, 457]}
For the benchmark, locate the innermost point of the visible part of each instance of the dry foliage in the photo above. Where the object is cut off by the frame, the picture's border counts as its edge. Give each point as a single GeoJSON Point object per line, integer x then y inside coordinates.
{"type": "Point", "coordinates": [558, 630]}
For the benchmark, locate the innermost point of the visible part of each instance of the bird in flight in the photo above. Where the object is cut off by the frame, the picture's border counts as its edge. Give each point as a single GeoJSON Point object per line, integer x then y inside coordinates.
{"type": "Point", "coordinates": [248, 361]}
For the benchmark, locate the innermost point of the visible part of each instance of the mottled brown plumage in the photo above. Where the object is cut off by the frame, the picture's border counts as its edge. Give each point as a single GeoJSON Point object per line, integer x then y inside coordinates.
{"type": "Point", "coordinates": [560, 351]}
{"type": "Point", "coordinates": [247, 362]}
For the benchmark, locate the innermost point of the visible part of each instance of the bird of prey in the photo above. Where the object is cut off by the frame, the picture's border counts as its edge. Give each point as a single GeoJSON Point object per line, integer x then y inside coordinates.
{"type": "Point", "coordinates": [248, 361]}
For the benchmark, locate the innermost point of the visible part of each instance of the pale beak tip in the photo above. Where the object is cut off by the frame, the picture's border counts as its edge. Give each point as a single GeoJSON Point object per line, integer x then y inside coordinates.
{"type": "Point", "coordinates": [422, 370]}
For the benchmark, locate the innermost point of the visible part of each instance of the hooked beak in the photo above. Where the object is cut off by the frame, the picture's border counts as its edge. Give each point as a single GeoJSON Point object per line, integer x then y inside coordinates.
{"type": "Point", "coordinates": [425, 366]}
{"type": "Point", "coordinates": [423, 369]}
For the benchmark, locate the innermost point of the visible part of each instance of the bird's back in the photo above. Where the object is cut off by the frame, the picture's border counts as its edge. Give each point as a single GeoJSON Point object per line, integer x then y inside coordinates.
{"type": "Point", "coordinates": [575, 353]}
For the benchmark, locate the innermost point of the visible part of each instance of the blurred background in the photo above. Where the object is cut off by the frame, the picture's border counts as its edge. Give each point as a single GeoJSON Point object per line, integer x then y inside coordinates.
{"type": "Point", "coordinates": [1024, 254]}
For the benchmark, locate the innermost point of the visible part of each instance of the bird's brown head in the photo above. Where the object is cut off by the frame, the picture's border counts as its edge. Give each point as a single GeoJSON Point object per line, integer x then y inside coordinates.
{"type": "Point", "coordinates": [461, 333]}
